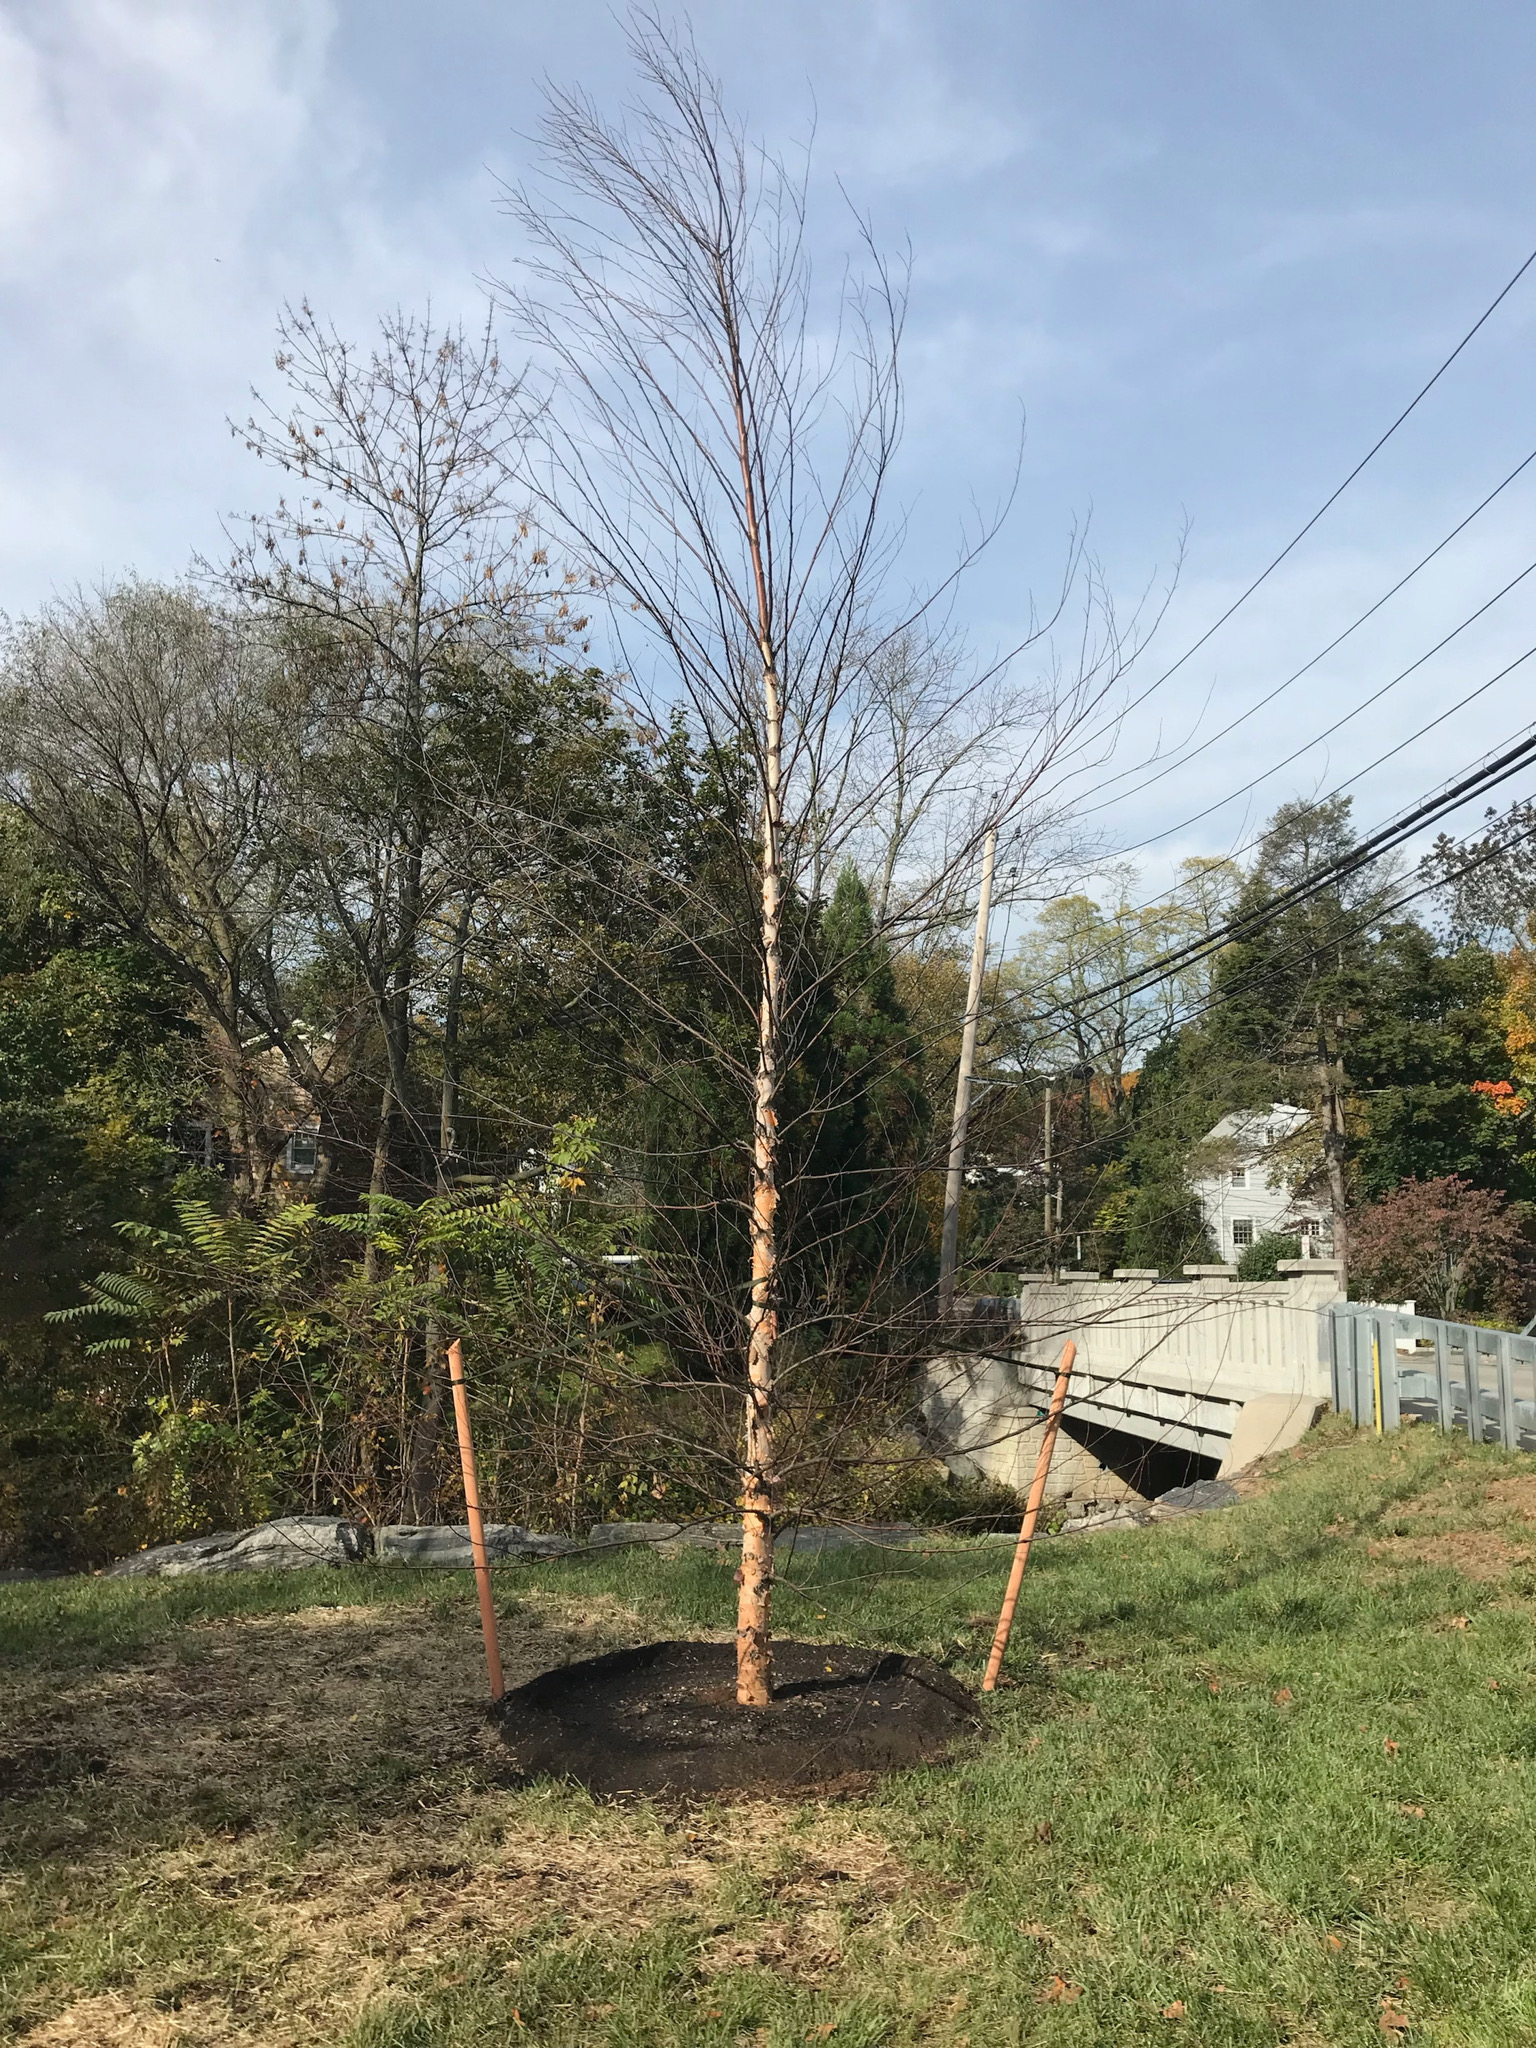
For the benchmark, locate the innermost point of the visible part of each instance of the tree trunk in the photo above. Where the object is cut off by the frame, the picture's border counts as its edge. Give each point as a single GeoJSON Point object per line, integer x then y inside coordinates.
{"type": "Point", "coordinates": [754, 1652]}
{"type": "Point", "coordinates": [421, 1471]}
{"type": "Point", "coordinates": [428, 1429]}
{"type": "Point", "coordinates": [448, 1110]}
{"type": "Point", "coordinates": [378, 1179]}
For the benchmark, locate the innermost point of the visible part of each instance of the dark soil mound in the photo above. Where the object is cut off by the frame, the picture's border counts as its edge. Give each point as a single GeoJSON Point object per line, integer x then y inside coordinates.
{"type": "Point", "coordinates": [664, 1719]}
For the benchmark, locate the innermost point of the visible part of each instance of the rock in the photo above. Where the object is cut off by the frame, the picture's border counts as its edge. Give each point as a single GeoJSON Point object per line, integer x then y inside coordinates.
{"type": "Point", "coordinates": [444, 1546]}
{"type": "Point", "coordinates": [291, 1543]}
{"type": "Point", "coordinates": [606, 1534]}
{"type": "Point", "coordinates": [1119, 1517]}
{"type": "Point", "coordinates": [1197, 1499]}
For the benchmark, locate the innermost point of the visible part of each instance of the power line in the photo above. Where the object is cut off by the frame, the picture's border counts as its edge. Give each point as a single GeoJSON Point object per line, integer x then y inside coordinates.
{"type": "Point", "coordinates": [1328, 731]}
{"type": "Point", "coordinates": [1332, 499]}
{"type": "Point", "coordinates": [1165, 895]}
{"type": "Point", "coordinates": [1353, 627]}
{"type": "Point", "coordinates": [1487, 775]}
{"type": "Point", "coordinates": [1308, 950]}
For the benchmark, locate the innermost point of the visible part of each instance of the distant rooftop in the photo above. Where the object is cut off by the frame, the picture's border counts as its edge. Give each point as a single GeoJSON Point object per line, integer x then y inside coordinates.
{"type": "Point", "coordinates": [1260, 1127]}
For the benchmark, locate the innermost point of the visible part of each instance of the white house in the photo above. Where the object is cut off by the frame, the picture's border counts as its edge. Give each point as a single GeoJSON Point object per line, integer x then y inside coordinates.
{"type": "Point", "coordinates": [1252, 1196]}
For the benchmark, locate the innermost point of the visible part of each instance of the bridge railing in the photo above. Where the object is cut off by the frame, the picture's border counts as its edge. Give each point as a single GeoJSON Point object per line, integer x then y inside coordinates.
{"type": "Point", "coordinates": [1388, 1364]}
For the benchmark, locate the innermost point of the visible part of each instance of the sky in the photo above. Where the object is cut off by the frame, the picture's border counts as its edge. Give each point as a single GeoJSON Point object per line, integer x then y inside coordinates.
{"type": "Point", "coordinates": [1201, 252]}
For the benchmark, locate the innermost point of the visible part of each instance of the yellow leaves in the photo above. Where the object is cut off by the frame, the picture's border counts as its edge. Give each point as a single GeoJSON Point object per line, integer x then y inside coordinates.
{"type": "Point", "coordinates": [1176, 2011]}
{"type": "Point", "coordinates": [1517, 1012]}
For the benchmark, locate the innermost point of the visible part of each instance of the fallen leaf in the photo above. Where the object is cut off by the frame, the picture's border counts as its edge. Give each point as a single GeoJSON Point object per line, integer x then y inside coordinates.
{"type": "Point", "coordinates": [1334, 1941]}
{"type": "Point", "coordinates": [821, 2033]}
{"type": "Point", "coordinates": [1394, 2022]}
{"type": "Point", "coordinates": [1284, 1696]}
{"type": "Point", "coordinates": [1413, 1812]}
{"type": "Point", "coordinates": [1390, 1746]}
{"type": "Point", "coordinates": [1059, 1992]}
{"type": "Point", "coordinates": [1044, 1831]}
{"type": "Point", "coordinates": [1493, 1685]}
{"type": "Point", "coordinates": [1460, 1621]}
{"type": "Point", "coordinates": [1175, 2011]}
{"type": "Point", "coordinates": [1036, 1930]}
{"type": "Point", "coordinates": [1214, 1685]}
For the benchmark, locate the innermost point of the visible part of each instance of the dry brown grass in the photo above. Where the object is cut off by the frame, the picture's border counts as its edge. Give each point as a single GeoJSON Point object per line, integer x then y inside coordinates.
{"type": "Point", "coordinates": [340, 1883]}
{"type": "Point", "coordinates": [1485, 1530]}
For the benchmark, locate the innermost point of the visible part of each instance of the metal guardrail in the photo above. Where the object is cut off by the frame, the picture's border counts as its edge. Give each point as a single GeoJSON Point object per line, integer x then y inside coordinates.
{"type": "Point", "coordinates": [1387, 1365]}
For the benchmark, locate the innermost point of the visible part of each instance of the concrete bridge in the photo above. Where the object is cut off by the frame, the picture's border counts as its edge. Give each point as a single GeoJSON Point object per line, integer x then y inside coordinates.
{"type": "Point", "coordinates": [1209, 1366]}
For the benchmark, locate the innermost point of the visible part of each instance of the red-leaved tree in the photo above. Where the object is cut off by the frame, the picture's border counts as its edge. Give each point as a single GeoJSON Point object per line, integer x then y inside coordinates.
{"type": "Point", "coordinates": [1442, 1243]}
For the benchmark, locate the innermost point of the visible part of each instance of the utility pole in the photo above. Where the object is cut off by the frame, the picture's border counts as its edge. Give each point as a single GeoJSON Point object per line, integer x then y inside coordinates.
{"type": "Point", "coordinates": [1331, 1082]}
{"type": "Point", "coordinates": [1047, 1218]}
{"type": "Point", "coordinates": [949, 1248]}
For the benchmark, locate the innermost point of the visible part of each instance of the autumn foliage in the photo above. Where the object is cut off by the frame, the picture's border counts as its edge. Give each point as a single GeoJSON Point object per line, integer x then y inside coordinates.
{"type": "Point", "coordinates": [1444, 1244]}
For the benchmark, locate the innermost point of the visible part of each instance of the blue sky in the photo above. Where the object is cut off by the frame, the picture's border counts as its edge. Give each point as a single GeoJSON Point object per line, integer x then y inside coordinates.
{"type": "Point", "coordinates": [1207, 249]}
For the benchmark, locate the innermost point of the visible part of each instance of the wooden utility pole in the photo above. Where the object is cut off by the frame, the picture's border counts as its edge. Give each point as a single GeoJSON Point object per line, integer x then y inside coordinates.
{"type": "Point", "coordinates": [949, 1249]}
{"type": "Point", "coordinates": [1331, 1083]}
{"type": "Point", "coordinates": [1047, 1218]}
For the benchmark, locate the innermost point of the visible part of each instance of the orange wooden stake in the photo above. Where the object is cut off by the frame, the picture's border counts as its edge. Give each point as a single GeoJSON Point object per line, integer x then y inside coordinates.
{"type": "Point", "coordinates": [476, 1523]}
{"type": "Point", "coordinates": [1031, 1516]}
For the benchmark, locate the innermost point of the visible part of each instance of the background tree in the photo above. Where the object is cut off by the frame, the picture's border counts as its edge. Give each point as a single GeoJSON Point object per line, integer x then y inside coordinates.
{"type": "Point", "coordinates": [1444, 1244]}
{"type": "Point", "coordinates": [407, 587]}
{"type": "Point", "coordinates": [142, 734]}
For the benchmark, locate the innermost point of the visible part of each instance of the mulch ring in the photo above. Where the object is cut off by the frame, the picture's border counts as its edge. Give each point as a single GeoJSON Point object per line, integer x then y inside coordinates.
{"type": "Point", "coordinates": [664, 1719]}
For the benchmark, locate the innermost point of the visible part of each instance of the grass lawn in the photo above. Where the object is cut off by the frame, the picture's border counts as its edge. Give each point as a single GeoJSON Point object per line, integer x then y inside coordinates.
{"type": "Point", "coordinates": [1265, 1776]}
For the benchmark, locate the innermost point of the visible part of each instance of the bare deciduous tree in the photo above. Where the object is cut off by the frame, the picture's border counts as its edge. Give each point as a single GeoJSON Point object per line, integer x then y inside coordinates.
{"type": "Point", "coordinates": [396, 557]}
{"type": "Point", "coordinates": [717, 455]}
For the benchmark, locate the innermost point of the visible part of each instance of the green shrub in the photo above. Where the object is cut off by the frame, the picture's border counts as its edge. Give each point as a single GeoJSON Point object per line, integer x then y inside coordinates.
{"type": "Point", "coordinates": [1261, 1261]}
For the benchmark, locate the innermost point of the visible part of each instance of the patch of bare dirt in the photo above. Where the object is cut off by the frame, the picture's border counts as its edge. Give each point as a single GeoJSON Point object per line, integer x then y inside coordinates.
{"type": "Point", "coordinates": [1476, 1553]}
{"type": "Point", "coordinates": [1514, 1495]}
{"type": "Point", "coordinates": [663, 1719]}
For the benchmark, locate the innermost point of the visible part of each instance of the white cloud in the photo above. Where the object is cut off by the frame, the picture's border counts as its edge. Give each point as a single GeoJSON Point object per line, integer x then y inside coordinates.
{"type": "Point", "coordinates": [170, 171]}
{"type": "Point", "coordinates": [912, 119]}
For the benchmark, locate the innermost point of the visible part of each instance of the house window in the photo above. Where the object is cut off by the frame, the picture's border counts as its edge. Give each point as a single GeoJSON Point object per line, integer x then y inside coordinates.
{"type": "Point", "coordinates": [1239, 1176]}
{"type": "Point", "coordinates": [1242, 1233]}
{"type": "Point", "coordinates": [301, 1154]}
